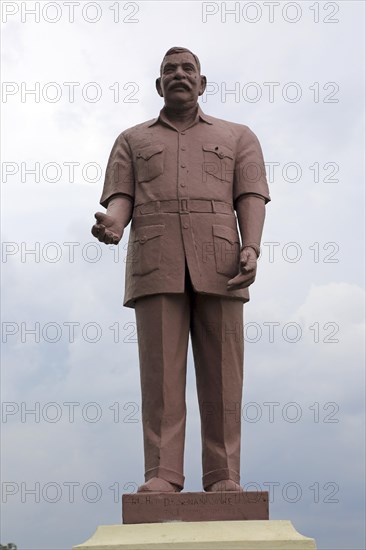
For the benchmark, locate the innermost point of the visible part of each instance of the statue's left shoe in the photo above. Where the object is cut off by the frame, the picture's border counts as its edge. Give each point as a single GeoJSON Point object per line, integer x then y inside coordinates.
{"type": "Point", "coordinates": [224, 485]}
{"type": "Point", "coordinates": [158, 485]}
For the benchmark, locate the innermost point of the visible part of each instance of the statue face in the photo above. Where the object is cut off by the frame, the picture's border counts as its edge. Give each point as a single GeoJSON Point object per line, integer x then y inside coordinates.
{"type": "Point", "coordinates": [180, 83]}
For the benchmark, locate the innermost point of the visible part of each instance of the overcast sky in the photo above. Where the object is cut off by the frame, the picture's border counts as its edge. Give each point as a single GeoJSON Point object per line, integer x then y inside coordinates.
{"type": "Point", "coordinates": [295, 71]}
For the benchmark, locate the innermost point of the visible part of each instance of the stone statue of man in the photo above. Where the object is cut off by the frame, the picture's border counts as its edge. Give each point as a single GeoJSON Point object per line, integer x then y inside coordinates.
{"type": "Point", "coordinates": [189, 184]}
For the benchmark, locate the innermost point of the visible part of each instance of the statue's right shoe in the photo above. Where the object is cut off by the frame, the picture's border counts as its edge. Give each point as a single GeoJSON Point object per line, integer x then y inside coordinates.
{"type": "Point", "coordinates": [158, 485]}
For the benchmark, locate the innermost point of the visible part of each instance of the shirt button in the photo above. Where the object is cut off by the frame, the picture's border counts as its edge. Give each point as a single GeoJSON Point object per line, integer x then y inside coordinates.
{"type": "Point", "coordinates": [183, 165]}
{"type": "Point", "coordinates": [185, 225]}
{"type": "Point", "coordinates": [183, 148]}
{"type": "Point", "coordinates": [182, 184]}
{"type": "Point", "coordinates": [182, 133]}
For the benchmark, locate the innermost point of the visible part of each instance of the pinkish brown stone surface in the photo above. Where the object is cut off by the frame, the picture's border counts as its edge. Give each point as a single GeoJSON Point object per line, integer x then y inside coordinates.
{"type": "Point", "coordinates": [221, 506]}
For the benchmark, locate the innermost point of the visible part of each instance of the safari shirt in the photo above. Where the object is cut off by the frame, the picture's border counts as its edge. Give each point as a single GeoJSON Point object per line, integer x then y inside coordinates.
{"type": "Point", "coordinates": [184, 186]}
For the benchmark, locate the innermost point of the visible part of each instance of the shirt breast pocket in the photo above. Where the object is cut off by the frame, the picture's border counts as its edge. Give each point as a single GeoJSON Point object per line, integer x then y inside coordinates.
{"type": "Point", "coordinates": [149, 162]}
{"type": "Point", "coordinates": [218, 161]}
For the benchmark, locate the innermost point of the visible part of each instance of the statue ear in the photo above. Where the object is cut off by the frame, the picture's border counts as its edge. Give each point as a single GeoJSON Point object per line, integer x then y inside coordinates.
{"type": "Point", "coordinates": [203, 85]}
{"type": "Point", "coordinates": [158, 86]}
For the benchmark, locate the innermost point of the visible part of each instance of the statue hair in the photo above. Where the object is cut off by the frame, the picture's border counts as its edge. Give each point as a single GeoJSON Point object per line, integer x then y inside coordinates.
{"type": "Point", "coordinates": [177, 49]}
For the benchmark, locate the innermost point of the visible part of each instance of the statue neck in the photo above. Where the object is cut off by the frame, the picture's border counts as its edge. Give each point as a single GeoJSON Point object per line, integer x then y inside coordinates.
{"type": "Point", "coordinates": [181, 118]}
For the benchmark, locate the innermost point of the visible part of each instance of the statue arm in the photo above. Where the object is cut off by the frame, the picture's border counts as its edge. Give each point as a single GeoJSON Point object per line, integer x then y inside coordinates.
{"type": "Point", "coordinates": [120, 206]}
{"type": "Point", "coordinates": [250, 209]}
{"type": "Point", "coordinates": [250, 195]}
{"type": "Point", "coordinates": [118, 194]}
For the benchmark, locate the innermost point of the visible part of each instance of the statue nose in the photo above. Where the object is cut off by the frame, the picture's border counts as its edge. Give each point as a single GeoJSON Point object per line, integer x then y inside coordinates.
{"type": "Point", "coordinates": [179, 73]}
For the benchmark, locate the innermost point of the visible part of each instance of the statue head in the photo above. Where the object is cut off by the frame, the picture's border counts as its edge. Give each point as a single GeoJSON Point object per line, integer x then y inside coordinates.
{"type": "Point", "coordinates": [180, 82]}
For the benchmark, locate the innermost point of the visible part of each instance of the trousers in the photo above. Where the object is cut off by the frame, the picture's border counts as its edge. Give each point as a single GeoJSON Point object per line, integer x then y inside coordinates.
{"type": "Point", "coordinates": [215, 324]}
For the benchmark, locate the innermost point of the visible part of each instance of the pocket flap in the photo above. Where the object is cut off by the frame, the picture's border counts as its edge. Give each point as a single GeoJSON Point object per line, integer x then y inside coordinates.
{"type": "Point", "coordinates": [225, 233]}
{"type": "Point", "coordinates": [219, 150]}
{"type": "Point", "coordinates": [147, 152]}
{"type": "Point", "coordinates": [143, 234]}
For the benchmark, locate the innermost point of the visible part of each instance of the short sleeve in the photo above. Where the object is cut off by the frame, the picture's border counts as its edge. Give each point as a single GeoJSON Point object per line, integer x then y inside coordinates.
{"type": "Point", "coordinates": [119, 176]}
{"type": "Point", "coordinates": [250, 171]}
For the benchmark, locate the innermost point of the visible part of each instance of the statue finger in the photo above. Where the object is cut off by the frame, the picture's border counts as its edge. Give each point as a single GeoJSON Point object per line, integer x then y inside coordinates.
{"type": "Point", "coordinates": [100, 232]}
{"type": "Point", "coordinates": [108, 237]}
{"type": "Point", "coordinates": [247, 268]}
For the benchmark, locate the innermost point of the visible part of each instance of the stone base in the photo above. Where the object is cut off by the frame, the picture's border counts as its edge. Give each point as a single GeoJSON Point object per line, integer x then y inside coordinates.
{"type": "Point", "coordinates": [221, 506]}
{"type": "Point", "coordinates": [208, 535]}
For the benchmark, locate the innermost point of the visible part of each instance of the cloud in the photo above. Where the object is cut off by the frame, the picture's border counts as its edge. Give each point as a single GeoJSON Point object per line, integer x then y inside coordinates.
{"type": "Point", "coordinates": [303, 400]}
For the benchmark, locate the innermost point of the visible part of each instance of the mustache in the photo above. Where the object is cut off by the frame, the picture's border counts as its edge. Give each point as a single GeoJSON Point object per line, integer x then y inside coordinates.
{"type": "Point", "coordinates": [179, 85]}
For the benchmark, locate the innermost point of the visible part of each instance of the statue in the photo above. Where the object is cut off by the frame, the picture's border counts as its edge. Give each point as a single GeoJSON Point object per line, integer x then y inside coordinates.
{"type": "Point", "coordinates": [186, 180]}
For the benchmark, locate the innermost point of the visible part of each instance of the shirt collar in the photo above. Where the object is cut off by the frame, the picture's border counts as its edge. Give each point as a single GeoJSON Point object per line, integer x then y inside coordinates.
{"type": "Point", "coordinates": [162, 118]}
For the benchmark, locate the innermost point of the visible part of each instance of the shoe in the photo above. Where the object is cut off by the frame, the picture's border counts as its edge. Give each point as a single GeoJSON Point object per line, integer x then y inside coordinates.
{"type": "Point", "coordinates": [224, 485]}
{"type": "Point", "coordinates": [158, 485]}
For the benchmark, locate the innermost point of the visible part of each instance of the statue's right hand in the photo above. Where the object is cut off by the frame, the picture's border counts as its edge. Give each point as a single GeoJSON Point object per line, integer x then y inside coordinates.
{"type": "Point", "coordinates": [107, 229]}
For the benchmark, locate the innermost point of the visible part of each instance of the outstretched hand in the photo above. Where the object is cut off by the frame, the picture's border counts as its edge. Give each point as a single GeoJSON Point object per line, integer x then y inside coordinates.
{"type": "Point", "coordinates": [107, 229]}
{"type": "Point", "coordinates": [247, 270]}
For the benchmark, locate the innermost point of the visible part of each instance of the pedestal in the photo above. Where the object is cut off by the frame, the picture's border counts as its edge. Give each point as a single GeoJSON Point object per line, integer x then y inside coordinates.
{"type": "Point", "coordinates": [220, 506]}
{"type": "Point", "coordinates": [207, 535]}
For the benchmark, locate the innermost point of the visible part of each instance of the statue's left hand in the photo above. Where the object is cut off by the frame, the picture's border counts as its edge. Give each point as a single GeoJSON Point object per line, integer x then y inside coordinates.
{"type": "Point", "coordinates": [247, 270]}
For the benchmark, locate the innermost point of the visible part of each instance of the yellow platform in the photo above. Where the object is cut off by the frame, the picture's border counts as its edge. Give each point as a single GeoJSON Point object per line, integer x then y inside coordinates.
{"type": "Point", "coordinates": [206, 535]}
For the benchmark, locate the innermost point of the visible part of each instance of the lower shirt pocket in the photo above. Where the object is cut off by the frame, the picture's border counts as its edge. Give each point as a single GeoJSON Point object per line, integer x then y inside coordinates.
{"type": "Point", "coordinates": [146, 250]}
{"type": "Point", "coordinates": [227, 250]}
